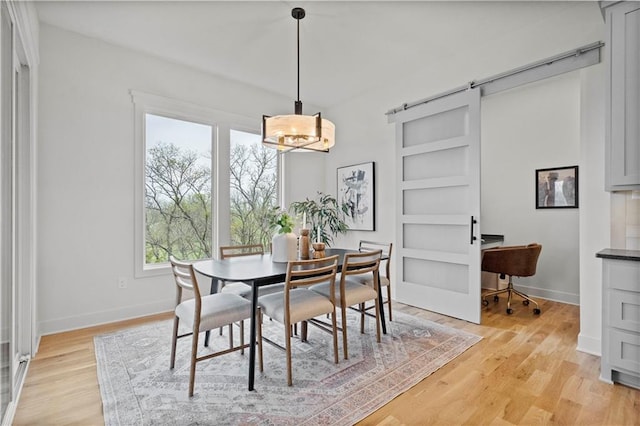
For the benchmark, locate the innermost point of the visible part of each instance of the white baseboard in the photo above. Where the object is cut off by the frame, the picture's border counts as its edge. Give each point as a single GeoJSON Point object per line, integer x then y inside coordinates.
{"type": "Point", "coordinates": [589, 345]}
{"type": "Point", "coordinates": [556, 296]}
{"type": "Point", "coordinates": [36, 346]}
{"type": "Point", "coordinates": [104, 317]}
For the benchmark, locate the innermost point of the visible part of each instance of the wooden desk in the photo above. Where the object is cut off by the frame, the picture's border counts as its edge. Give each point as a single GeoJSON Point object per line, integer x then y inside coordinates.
{"type": "Point", "coordinates": [489, 280]}
{"type": "Point", "coordinates": [259, 270]}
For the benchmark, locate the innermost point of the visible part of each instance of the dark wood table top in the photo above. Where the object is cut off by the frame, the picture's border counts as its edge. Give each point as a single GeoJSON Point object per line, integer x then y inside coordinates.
{"type": "Point", "coordinates": [259, 269]}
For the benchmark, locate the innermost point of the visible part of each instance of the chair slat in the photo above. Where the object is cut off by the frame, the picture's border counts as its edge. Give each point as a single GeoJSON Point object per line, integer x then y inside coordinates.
{"type": "Point", "coordinates": [240, 250]}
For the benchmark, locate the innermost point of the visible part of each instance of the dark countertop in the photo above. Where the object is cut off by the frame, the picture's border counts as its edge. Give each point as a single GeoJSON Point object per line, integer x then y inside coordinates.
{"type": "Point", "coordinates": [619, 254]}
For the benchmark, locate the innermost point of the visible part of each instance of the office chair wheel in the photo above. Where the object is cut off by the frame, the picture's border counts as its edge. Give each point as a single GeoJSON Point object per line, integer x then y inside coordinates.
{"type": "Point", "coordinates": [485, 302]}
{"type": "Point", "coordinates": [509, 311]}
{"type": "Point", "coordinates": [525, 302]}
{"type": "Point", "coordinates": [496, 299]}
{"type": "Point", "coordinates": [536, 311]}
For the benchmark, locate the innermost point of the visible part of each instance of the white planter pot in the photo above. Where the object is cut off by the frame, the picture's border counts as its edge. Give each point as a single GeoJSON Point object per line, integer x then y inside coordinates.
{"type": "Point", "coordinates": [284, 247]}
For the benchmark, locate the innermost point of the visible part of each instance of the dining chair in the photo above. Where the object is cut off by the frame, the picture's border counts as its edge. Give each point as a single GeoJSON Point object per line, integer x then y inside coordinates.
{"type": "Point", "coordinates": [238, 287]}
{"type": "Point", "coordinates": [203, 313]}
{"type": "Point", "coordinates": [353, 289]}
{"type": "Point", "coordinates": [296, 303]}
{"type": "Point", "coordinates": [384, 278]}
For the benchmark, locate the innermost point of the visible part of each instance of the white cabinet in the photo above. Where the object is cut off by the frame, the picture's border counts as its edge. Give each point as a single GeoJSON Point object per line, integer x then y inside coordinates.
{"type": "Point", "coordinates": [620, 360]}
{"type": "Point", "coordinates": [622, 153]}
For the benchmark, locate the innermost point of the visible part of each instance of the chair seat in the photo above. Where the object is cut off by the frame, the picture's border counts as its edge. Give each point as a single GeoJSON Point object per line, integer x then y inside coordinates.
{"type": "Point", "coordinates": [366, 279]}
{"type": "Point", "coordinates": [238, 288]}
{"type": "Point", "coordinates": [304, 304]}
{"type": "Point", "coordinates": [355, 292]}
{"type": "Point", "coordinates": [244, 290]}
{"type": "Point", "coordinates": [217, 310]}
{"type": "Point", "coordinates": [384, 281]}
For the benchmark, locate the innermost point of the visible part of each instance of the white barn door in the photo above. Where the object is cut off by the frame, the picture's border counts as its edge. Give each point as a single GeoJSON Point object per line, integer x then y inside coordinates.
{"type": "Point", "coordinates": [438, 202]}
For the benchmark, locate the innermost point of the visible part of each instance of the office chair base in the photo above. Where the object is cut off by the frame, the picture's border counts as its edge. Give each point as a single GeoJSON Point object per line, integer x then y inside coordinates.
{"type": "Point", "coordinates": [510, 291]}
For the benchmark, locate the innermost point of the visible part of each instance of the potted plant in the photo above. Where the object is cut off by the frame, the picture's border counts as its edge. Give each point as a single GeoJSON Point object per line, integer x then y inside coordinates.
{"type": "Point", "coordinates": [284, 242]}
{"type": "Point", "coordinates": [325, 215]}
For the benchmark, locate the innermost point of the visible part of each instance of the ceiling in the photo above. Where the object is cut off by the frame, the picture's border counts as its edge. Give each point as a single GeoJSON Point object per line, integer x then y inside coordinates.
{"type": "Point", "coordinates": [347, 48]}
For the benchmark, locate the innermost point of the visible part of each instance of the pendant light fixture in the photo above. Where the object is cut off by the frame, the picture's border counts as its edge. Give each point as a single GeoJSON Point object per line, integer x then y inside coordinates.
{"type": "Point", "coordinates": [298, 131]}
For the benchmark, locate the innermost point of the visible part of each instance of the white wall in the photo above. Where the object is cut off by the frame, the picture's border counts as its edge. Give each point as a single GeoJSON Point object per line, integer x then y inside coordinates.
{"type": "Point", "coordinates": [533, 127]}
{"type": "Point", "coordinates": [304, 175]}
{"type": "Point", "coordinates": [86, 153]}
{"type": "Point", "coordinates": [595, 217]}
{"type": "Point", "coordinates": [86, 173]}
{"type": "Point", "coordinates": [363, 133]}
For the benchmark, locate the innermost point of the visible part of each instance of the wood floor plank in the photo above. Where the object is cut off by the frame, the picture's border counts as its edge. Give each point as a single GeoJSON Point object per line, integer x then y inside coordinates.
{"type": "Point", "coordinates": [526, 370]}
{"type": "Point", "coordinates": [537, 416]}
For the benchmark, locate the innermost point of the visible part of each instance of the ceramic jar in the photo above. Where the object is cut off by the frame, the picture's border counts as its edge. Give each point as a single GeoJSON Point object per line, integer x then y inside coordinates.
{"type": "Point", "coordinates": [284, 247]}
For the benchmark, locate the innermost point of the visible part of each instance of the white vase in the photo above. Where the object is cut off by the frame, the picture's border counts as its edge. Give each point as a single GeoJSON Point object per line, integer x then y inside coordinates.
{"type": "Point", "coordinates": [284, 247]}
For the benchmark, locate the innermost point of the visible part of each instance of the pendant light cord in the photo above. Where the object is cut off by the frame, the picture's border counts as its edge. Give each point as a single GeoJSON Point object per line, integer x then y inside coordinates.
{"type": "Point", "coordinates": [298, 38]}
{"type": "Point", "coordinates": [298, 13]}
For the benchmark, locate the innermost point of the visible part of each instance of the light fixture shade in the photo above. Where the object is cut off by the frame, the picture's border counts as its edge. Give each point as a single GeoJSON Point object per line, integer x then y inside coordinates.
{"type": "Point", "coordinates": [297, 131]}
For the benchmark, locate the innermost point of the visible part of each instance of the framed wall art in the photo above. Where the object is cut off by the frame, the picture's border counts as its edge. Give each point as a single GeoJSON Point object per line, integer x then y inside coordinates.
{"type": "Point", "coordinates": [557, 188]}
{"type": "Point", "coordinates": [356, 189]}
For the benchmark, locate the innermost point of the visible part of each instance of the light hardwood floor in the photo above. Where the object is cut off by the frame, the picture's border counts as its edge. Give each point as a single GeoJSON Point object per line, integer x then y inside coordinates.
{"type": "Point", "coordinates": [526, 370]}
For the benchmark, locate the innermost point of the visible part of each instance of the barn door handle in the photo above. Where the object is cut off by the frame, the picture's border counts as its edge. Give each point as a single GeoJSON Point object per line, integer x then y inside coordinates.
{"type": "Point", "coordinates": [473, 237]}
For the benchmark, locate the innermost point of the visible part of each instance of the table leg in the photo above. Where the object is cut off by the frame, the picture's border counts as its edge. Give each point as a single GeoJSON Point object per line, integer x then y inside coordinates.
{"type": "Point", "coordinates": [252, 335]}
{"type": "Point", "coordinates": [213, 289]}
{"type": "Point", "coordinates": [382, 320]}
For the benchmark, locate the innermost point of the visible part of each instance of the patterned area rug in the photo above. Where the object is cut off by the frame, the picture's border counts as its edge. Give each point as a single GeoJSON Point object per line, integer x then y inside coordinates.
{"type": "Point", "coordinates": [138, 388]}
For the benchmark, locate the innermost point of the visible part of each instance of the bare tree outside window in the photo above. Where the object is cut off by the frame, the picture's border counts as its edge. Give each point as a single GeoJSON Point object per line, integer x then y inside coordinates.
{"type": "Point", "coordinates": [178, 214]}
{"type": "Point", "coordinates": [253, 191]}
{"type": "Point", "coordinates": [178, 190]}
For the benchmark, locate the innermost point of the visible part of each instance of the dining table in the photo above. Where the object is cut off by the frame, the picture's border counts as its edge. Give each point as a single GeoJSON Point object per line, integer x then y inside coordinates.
{"type": "Point", "coordinates": [259, 270]}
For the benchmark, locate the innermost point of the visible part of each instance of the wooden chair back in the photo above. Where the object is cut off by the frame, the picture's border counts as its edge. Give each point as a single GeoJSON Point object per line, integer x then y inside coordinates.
{"type": "Point", "coordinates": [362, 263]}
{"type": "Point", "coordinates": [386, 252]}
{"type": "Point", "coordinates": [240, 250]}
{"type": "Point", "coordinates": [185, 278]}
{"type": "Point", "coordinates": [305, 273]}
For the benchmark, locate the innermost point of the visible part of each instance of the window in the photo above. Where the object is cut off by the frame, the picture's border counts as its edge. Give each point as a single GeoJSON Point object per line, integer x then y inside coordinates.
{"type": "Point", "coordinates": [200, 182]}
{"type": "Point", "coordinates": [253, 188]}
{"type": "Point", "coordinates": [177, 189]}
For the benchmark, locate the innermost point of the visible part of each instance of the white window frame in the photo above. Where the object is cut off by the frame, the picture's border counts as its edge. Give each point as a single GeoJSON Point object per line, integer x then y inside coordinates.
{"type": "Point", "coordinates": [221, 122]}
{"type": "Point", "coordinates": [24, 339]}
